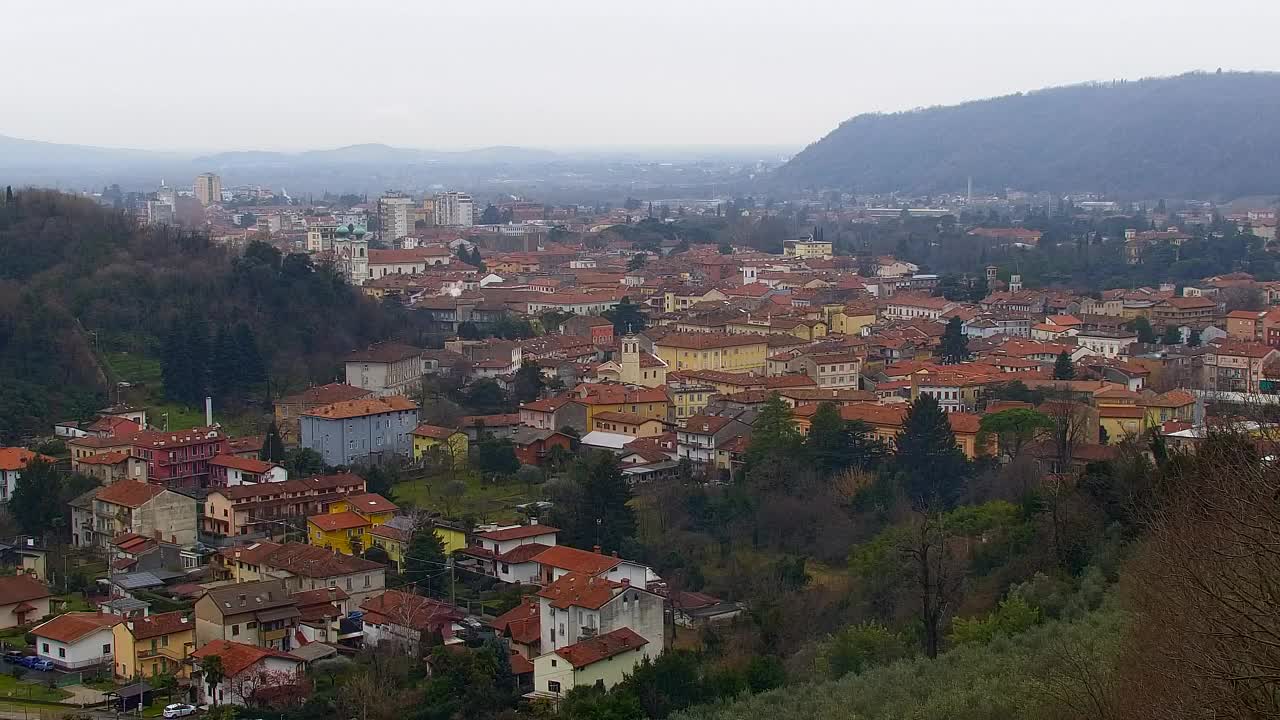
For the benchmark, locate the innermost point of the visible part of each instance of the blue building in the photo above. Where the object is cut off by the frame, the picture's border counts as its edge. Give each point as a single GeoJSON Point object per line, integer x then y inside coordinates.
{"type": "Point", "coordinates": [359, 431]}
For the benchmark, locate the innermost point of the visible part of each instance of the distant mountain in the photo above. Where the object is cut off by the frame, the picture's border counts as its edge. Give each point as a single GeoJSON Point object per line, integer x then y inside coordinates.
{"type": "Point", "coordinates": [1199, 134]}
{"type": "Point", "coordinates": [18, 153]}
{"type": "Point", "coordinates": [377, 154]}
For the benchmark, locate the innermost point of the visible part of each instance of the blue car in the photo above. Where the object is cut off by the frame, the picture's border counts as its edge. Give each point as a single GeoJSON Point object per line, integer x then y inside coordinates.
{"type": "Point", "coordinates": [39, 664]}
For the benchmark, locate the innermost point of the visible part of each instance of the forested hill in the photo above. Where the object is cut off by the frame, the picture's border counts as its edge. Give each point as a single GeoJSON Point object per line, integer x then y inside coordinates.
{"type": "Point", "coordinates": [1195, 135]}
{"type": "Point", "coordinates": [78, 282]}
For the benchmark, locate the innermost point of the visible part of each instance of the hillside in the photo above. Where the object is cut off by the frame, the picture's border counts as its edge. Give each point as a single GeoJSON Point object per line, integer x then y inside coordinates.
{"type": "Point", "coordinates": [79, 284]}
{"type": "Point", "coordinates": [1202, 135]}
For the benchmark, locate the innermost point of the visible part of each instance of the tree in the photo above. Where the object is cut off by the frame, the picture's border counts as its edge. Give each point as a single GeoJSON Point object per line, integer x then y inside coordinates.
{"type": "Point", "coordinates": [491, 215]}
{"type": "Point", "coordinates": [1172, 335]}
{"type": "Point", "coordinates": [486, 397]}
{"type": "Point", "coordinates": [774, 434]}
{"type": "Point", "coordinates": [637, 261]}
{"type": "Point", "coordinates": [1063, 368]}
{"type": "Point", "coordinates": [496, 456]}
{"type": "Point", "coordinates": [626, 317]}
{"type": "Point", "coordinates": [528, 383]}
{"type": "Point", "coordinates": [272, 446]}
{"type": "Point", "coordinates": [598, 512]}
{"type": "Point", "coordinates": [1146, 334]}
{"type": "Point", "coordinates": [37, 499]}
{"type": "Point", "coordinates": [224, 367]}
{"type": "Point", "coordinates": [954, 347]}
{"type": "Point", "coordinates": [1193, 340]}
{"type": "Point", "coordinates": [253, 369]}
{"type": "Point", "coordinates": [304, 462]}
{"type": "Point", "coordinates": [934, 470]}
{"type": "Point", "coordinates": [1013, 428]}
{"type": "Point", "coordinates": [214, 674]}
{"type": "Point", "coordinates": [835, 444]}
{"type": "Point", "coordinates": [425, 562]}
{"type": "Point", "coordinates": [725, 249]}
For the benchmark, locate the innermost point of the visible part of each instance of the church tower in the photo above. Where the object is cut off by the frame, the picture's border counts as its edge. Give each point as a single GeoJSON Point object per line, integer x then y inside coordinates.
{"type": "Point", "coordinates": [630, 373]}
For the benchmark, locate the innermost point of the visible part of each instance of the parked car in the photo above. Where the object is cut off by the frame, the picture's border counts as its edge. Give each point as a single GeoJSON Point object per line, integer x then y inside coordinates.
{"type": "Point", "coordinates": [13, 656]}
{"type": "Point", "coordinates": [178, 710]}
{"type": "Point", "coordinates": [40, 664]}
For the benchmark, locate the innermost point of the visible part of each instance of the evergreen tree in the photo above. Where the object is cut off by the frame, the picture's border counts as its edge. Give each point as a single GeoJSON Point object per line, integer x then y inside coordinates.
{"type": "Point", "coordinates": [599, 513]}
{"type": "Point", "coordinates": [835, 444]}
{"type": "Point", "coordinates": [1193, 340]}
{"type": "Point", "coordinates": [424, 562]}
{"type": "Point", "coordinates": [1146, 334]}
{"type": "Point", "coordinates": [933, 468]}
{"type": "Point", "coordinates": [252, 369]}
{"type": "Point", "coordinates": [626, 317]}
{"type": "Point", "coordinates": [955, 346]}
{"type": "Point", "coordinates": [1063, 368]}
{"type": "Point", "coordinates": [272, 446]}
{"type": "Point", "coordinates": [36, 503]}
{"type": "Point", "coordinates": [528, 383]}
{"type": "Point", "coordinates": [224, 366]}
{"type": "Point", "coordinates": [8, 194]}
{"type": "Point", "coordinates": [1172, 335]}
{"type": "Point", "coordinates": [476, 260]}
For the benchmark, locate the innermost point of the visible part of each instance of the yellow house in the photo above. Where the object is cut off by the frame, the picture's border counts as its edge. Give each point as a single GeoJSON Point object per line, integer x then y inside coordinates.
{"type": "Point", "coordinates": [1173, 405]}
{"type": "Point", "coordinates": [852, 318]}
{"type": "Point", "coordinates": [611, 397]}
{"type": "Point", "coordinates": [345, 528]}
{"type": "Point", "coordinates": [394, 541]}
{"type": "Point", "coordinates": [707, 351]}
{"type": "Point", "coordinates": [154, 645]}
{"type": "Point", "coordinates": [1119, 414]}
{"type": "Point", "coordinates": [430, 439]}
{"type": "Point", "coordinates": [625, 423]}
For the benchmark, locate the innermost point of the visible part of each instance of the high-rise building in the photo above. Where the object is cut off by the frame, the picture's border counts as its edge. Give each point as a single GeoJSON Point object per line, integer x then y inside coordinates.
{"type": "Point", "coordinates": [393, 210]}
{"type": "Point", "coordinates": [208, 189]}
{"type": "Point", "coordinates": [454, 208]}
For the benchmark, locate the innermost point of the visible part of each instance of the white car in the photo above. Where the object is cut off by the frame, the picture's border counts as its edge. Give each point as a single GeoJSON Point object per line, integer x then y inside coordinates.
{"type": "Point", "coordinates": [178, 710]}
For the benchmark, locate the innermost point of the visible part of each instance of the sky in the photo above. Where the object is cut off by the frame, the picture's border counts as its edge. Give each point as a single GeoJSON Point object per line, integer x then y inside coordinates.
{"type": "Point", "coordinates": [286, 75]}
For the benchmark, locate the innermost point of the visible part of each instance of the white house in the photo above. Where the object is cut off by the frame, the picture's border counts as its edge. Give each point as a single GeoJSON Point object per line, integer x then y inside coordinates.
{"type": "Point", "coordinates": [231, 470]}
{"type": "Point", "coordinates": [578, 606]}
{"type": "Point", "coordinates": [400, 619]}
{"type": "Point", "coordinates": [508, 553]}
{"type": "Point", "coordinates": [22, 599]}
{"type": "Point", "coordinates": [601, 660]}
{"type": "Point", "coordinates": [1106, 343]}
{"type": "Point", "coordinates": [77, 640]}
{"type": "Point", "coordinates": [247, 669]}
{"type": "Point", "coordinates": [561, 560]}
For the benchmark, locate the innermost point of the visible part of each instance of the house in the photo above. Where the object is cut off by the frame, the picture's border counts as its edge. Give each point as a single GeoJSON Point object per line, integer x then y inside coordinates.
{"type": "Point", "coordinates": [154, 645]}
{"type": "Point", "coordinates": [289, 409]}
{"type": "Point", "coordinates": [401, 619]}
{"type": "Point", "coordinates": [265, 508]}
{"type": "Point", "coordinates": [179, 458]}
{"type": "Point", "coordinates": [1178, 311]}
{"type": "Point", "coordinates": [532, 445]}
{"type": "Point", "coordinates": [384, 369]}
{"type": "Point", "coordinates": [361, 430]}
{"type": "Point", "coordinates": [695, 609]}
{"type": "Point", "coordinates": [23, 599]}
{"type": "Point", "coordinates": [711, 351]}
{"type": "Point", "coordinates": [230, 470]}
{"type": "Point", "coordinates": [612, 397]}
{"type": "Point", "coordinates": [130, 506]}
{"type": "Point", "coordinates": [392, 540]}
{"type": "Point", "coordinates": [256, 613]}
{"type": "Point", "coordinates": [76, 640]}
{"type": "Point", "coordinates": [12, 462]}
{"type": "Point", "coordinates": [578, 606]}
{"type": "Point", "coordinates": [703, 436]}
{"type": "Point", "coordinates": [508, 553]}
{"type": "Point", "coordinates": [521, 626]}
{"type": "Point", "coordinates": [555, 562]}
{"type": "Point", "coordinates": [554, 414]}
{"type": "Point", "coordinates": [305, 567]}
{"type": "Point", "coordinates": [250, 673]}
{"type": "Point", "coordinates": [599, 661]}
{"type": "Point", "coordinates": [599, 330]}
{"type": "Point", "coordinates": [1106, 343]}
{"type": "Point", "coordinates": [1236, 366]}
{"type": "Point", "coordinates": [435, 441]}
{"type": "Point", "coordinates": [248, 447]}
{"type": "Point", "coordinates": [626, 423]}
{"type": "Point", "coordinates": [321, 612]}
{"type": "Point", "coordinates": [343, 528]}
{"type": "Point", "coordinates": [1247, 325]}
{"type": "Point", "coordinates": [112, 466]}
{"type": "Point", "coordinates": [906, 306]}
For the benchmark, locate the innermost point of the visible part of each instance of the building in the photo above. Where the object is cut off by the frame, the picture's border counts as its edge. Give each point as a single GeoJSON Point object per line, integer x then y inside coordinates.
{"type": "Point", "coordinates": [627, 424]}
{"type": "Point", "coordinates": [709, 351]}
{"type": "Point", "coordinates": [179, 458]}
{"type": "Point", "coordinates": [578, 606]}
{"type": "Point", "coordinates": [597, 661]}
{"type": "Point", "coordinates": [384, 369]}
{"type": "Point", "coordinates": [22, 600]}
{"type": "Point", "coordinates": [208, 189]}
{"type": "Point", "coordinates": [249, 674]}
{"type": "Point", "coordinates": [77, 640]}
{"type": "Point", "coordinates": [130, 506]}
{"type": "Point", "coordinates": [344, 528]}
{"type": "Point", "coordinates": [109, 467]}
{"type": "Point", "coordinates": [454, 208]}
{"type": "Point", "coordinates": [1246, 325]}
{"type": "Point", "coordinates": [1105, 342]}
{"type": "Point", "coordinates": [634, 366]}
{"type": "Point", "coordinates": [154, 645]}
{"type": "Point", "coordinates": [1179, 311]}
{"type": "Point", "coordinates": [393, 214]}
{"type": "Point", "coordinates": [12, 462]}
{"type": "Point", "coordinates": [231, 470]}
{"type": "Point", "coordinates": [254, 613]}
{"type": "Point", "coordinates": [361, 430]}
{"type": "Point", "coordinates": [508, 553]}
{"type": "Point", "coordinates": [403, 620]}
{"type": "Point", "coordinates": [703, 438]}
{"type": "Point", "coordinates": [554, 413]}
{"type": "Point", "coordinates": [1235, 366]}
{"type": "Point", "coordinates": [909, 306]}
{"type": "Point", "coordinates": [274, 508]}
{"type": "Point", "coordinates": [289, 409]}
{"type": "Point", "coordinates": [304, 567]}
{"type": "Point", "coordinates": [445, 443]}
{"type": "Point", "coordinates": [807, 248]}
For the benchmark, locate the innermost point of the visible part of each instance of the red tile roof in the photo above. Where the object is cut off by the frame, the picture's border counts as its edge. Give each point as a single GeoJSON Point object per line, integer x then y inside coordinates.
{"type": "Point", "coordinates": [370, 503]}
{"type": "Point", "coordinates": [325, 395]}
{"type": "Point", "coordinates": [21, 588]}
{"type": "Point", "coordinates": [238, 657]}
{"type": "Point", "coordinates": [248, 465]}
{"type": "Point", "coordinates": [162, 624]}
{"type": "Point", "coordinates": [362, 408]}
{"type": "Point", "coordinates": [70, 627]}
{"type": "Point", "coordinates": [16, 458]}
{"type": "Point", "coordinates": [129, 493]}
{"type": "Point", "coordinates": [601, 647]}
{"type": "Point", "coordinates": [575, 589]}
{"type": "Point", "coordinates": [408, 610]}
{"type": "Point", "coordinates": [522, 622]}
{"type": "Point", "coordinates": [518, 533]}
{"type": "Point", "coordinates": [522, 553]}
{"type": "Point", "coordinates": [575, 560]}
{"type": "Point", "coordinates": [434, 431]}
{"type": "Point", "coordinates": [338, 521]}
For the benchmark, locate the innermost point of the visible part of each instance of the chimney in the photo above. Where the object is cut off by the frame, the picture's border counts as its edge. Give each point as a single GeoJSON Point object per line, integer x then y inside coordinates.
{"type": "Point", "coordinates": [208, 411]}
{"type": "Point", "coordinates": [595, 549]}
{"type": "Point", "coordinates": [533, 521]}
{"type": "Point", "coordinates": [615, 553]}
{"type": "Point", "coordinates": [626, 581]}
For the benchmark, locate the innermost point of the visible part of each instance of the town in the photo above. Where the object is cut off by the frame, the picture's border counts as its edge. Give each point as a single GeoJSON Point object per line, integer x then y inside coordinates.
{"type": "Point", "coordinates": [597, 437]}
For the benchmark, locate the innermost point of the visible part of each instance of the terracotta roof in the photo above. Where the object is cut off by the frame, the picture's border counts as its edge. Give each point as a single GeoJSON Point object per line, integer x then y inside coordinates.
{"type": "Point", "coordinates": [325, 395]}
{"type": "Point", "coordinates": [162, 624]}
{"type": "Point", "coordinates": [434, 431]}
{"type": "Point", "coordinates": [1173, 398]}
{"type": "Point", "coordinates": [248, 465]}
{"type": "Point", "coordinates": [21, 588]}
{"type": "Point", "coordinates": [521, 553]}
{"type": "Point", "coordinates": [320, 595]}
{"type": "Point", "coordinates": [705, 423]}
{"type": "Point", "coordinates": [391, 533]}
{"type": "Point", "coordinates": [156, 439]}
{"type": "Point", "coordinates": [1121, 411]}
{"type": "Point", "coordinates": [70, 627]}
{"type": "Point", "coordinates": [523, 622]}
{"type": "Point", "coordinates": [16, 458]}
{"type": "Point", "coordinates": [518, 533]}
{"type": "Point", "coordinates": [575, 589]}
{"type": "Point", "coordinates": [625, 418]}
{"type": "Point", "coordinates": [129, 493]}
{"type": "Point", "coordinates": [409, 610]}
{"type": "Point", "coordinates": [370, 503]}
{"type": "Point", "coordinates": [315, 483]}
{"type": "Point", "coordinates": [316, 562]}
{"type": "Point", "coordinates": [338, 521]}
{"type": "Point", "coordinates": [114, 457]}
{"type": "Point", "coordinates": [238, 657]}
{"type": "Point", "coordinates": [963, 422]}
{"type": "Point", "coordinates": [1191, 303]}
{"type": "Point", "coordinates": [776, 382]}
{"type": "Point", "coordinates": [364, 407]}
{"type": "Point", "coordinates": [575, 560]}
{"type": "Point", "coordinates": [384, 353]}
{"type": "Point", "coordinates": [547, 404]}
{"type": "Point", "coordinates": [602, 647]}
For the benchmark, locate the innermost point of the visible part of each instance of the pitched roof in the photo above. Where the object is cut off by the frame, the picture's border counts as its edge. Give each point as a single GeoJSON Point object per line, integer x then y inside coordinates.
{"type": "Point", "coordinates": [518, 533]}
{"type": "Point", "coordinates": [129, 493]}
{"type": "Point", "coordinates": [162, 624]}
{"type": "Point", "coordinates": [575, 589]}
{"type": "Point", "coordinates": [238, 657]}
{"type": "Point", "coordinates": [523, 621]}
{"type": "Point", "coordinates": [391, 532]}
{"type": "Point", "coordinates": [248, 465]}
{"type": "Point", "coordinates": [316, 562]}
{"type": "Point", "coordinates": [522, 553]}
{"type": "Point", "coordinates": [70, 627]}
{"type": "Point", "coordinates": [601, 647]}
{"type": "Point", "coordinates": [435, 431]}
{"type": "Point", "coordinates": [408, 610]}
{"type": "Point", "coordinates": [575, 560]}
{"type": "Point", "coordinates": [239, 598]}
{"type": "Point", "coordinates": [370, 503]}
{"type": "Point", "coordinates": [363, 407]}
{"type": "Point", "coordinates": [16, 458]}
{"type": "Point", "coordinates": [384, 353]}
{"type": "Point", "coordinates": [21, 588]}
{"type": "Point", "coordinates": [325, 395]}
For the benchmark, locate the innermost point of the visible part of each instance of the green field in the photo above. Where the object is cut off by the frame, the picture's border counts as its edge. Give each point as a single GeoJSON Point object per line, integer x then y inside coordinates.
{"type": "Point", "coordinates": [482, 501]}
{"type": "Point", "coordinates": [11, 689]}
{"type": "Point", "coordinates": [144, 375]}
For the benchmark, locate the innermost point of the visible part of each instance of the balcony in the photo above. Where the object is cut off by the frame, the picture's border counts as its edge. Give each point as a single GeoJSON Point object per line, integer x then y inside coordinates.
{"type": "Point", "coordinates": [273, 635]}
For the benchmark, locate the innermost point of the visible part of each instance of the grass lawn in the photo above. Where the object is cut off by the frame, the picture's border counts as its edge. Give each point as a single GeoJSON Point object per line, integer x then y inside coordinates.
{"type": "Point", "coordinates": [11, 688]}
{"type": "Point", "coordinates": [144, 374]}
{"type": "Point", "coordinates": [484, 501]}
{"type": "Point", "coordinates": [75, 602]}
{"type": "Point", "coordinates": [134, 369]}
{"type": "Point", "coordinates": [102, 685]}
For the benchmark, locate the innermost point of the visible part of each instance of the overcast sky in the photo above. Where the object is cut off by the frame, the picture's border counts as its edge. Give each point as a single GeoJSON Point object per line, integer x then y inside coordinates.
{"type": "Point", "coordinates": [270, 74]}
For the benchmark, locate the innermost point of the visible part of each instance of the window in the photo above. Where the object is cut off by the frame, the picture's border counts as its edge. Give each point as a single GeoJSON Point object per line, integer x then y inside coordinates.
{"type": "Point", "coordinates": [553, 662]}
{"type": "Point", "coordinates": [44, 648]}
{"type": "Point", "coordinates": [235, 630]}
{"type": "Point", "coordinates": [106, 648]}
{"type": "Point", "coordinates": [553, 686]}
{"type": "Point", "coordinates": [62, 652]}
{"type": "Point", "coordinates": [348, 583]}
{"type": "Point", "coordinates": [368, 581]}
{"type": "Point", "coordinates": [251, 625]}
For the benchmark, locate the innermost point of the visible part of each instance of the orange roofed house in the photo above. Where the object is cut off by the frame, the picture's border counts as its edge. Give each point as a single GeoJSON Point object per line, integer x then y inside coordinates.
{"type": "Point", "coordinates": [356, 430]}
{"type": "Point", "coordinates": [252, 675]}
{"type": "Point", "coordinates": [12, 461]}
